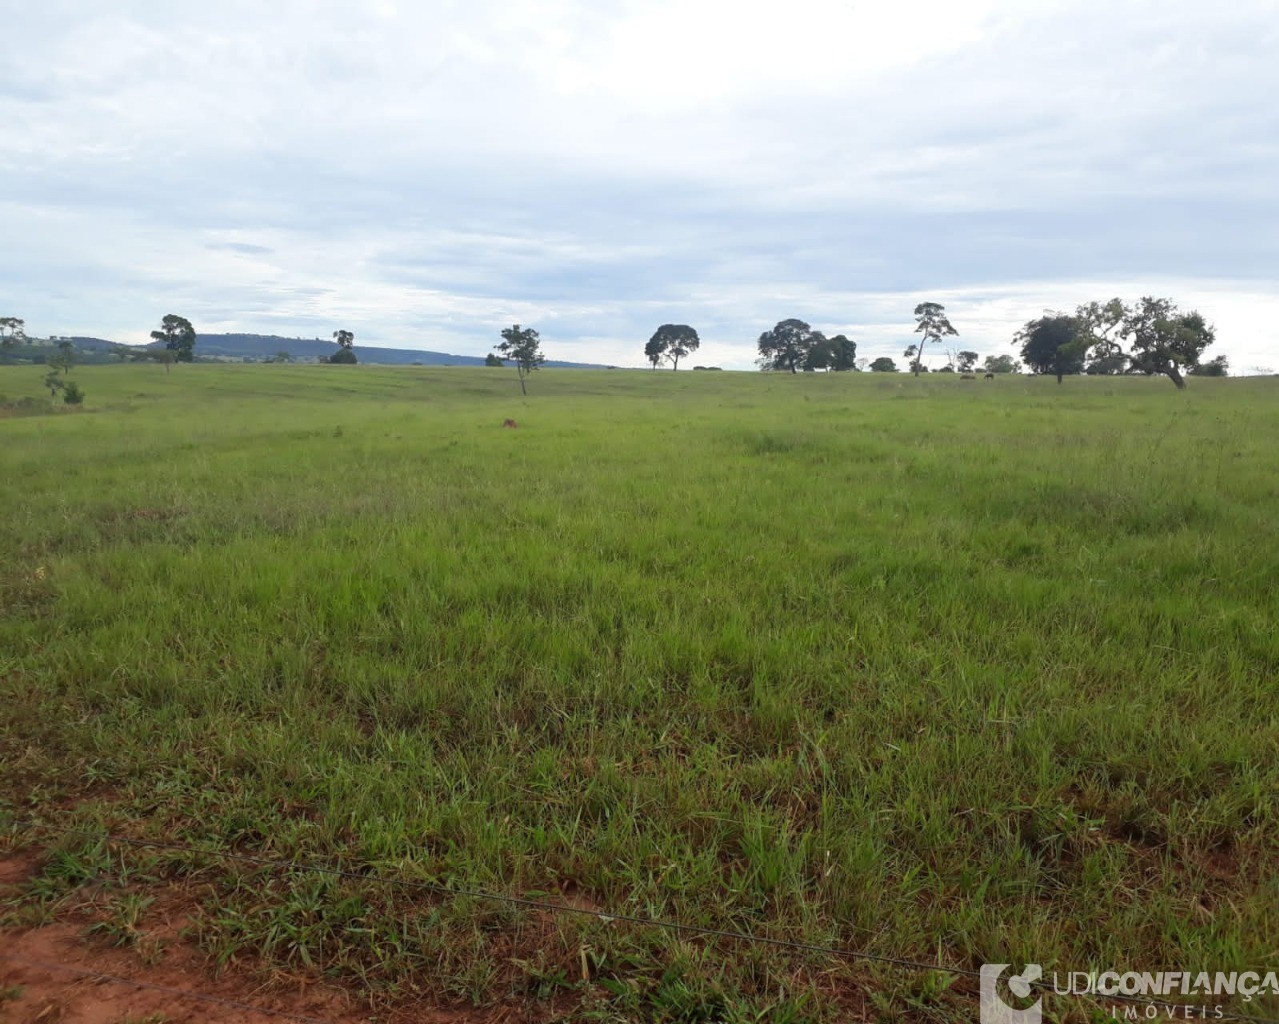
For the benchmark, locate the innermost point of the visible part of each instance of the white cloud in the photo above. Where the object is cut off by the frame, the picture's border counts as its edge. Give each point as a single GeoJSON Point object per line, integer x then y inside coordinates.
{"type": "Point", "coordinates": [422, 172]}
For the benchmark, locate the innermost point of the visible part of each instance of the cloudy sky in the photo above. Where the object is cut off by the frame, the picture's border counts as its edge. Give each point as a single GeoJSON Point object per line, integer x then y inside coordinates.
{"type": "Point", "coordinates": [426, 173]}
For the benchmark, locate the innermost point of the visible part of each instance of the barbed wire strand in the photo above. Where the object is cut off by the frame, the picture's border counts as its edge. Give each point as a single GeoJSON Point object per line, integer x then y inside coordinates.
{"type": "Point", "coordinates": [169, 990]}
{"type": "Point", "coordinates": [606, 917]}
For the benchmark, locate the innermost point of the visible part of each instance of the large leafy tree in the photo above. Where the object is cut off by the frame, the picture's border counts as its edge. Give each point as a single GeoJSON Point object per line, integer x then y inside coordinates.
{"type": "Point", "coordinates": [843, 353]}
{"type": "Point", "coordinates": [523, 346]}
{"type": "Point", "coordinates": [966, 361]}
{"type": "Point", "coordinates": [932, 323]}
{"type": "Point", "coordinates": [883, 365]}
{"type": "Point", "coordinates": [1164, 340]}
{"type": "Point", "coordinates": [346, 347]}
{"type": "Point", "coordinates": [820, 353]}
{"type": "Point", "coordinates": [178, 336]}
{"type": "Point", "coordinates": [672, 342]}
{"type": "Point", "coordinates": [1053, 344]}
{"type": "Point", "coordinates": [786, 346]}
{"type": "Point", "coordinates": [838, 353]}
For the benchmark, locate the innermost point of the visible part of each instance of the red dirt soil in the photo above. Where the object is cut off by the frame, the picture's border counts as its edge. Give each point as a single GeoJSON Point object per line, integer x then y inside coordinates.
{"type": "Point", "coordinates": [49, 975]}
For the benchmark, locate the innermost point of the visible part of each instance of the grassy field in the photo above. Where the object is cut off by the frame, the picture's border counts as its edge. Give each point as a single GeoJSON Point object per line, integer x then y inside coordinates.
{"type": "Point", "coordinates": [946, 670]}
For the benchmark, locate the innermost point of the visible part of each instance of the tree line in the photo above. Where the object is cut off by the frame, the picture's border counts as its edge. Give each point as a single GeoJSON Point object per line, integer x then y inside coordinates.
{"type": "Point", "coordinates": [1150, 336]}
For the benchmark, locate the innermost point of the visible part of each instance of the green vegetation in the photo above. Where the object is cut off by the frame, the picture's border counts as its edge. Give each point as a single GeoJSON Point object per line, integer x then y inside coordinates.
{"type": "Point", "coordinates": [346, 349]}
{"type": "Point", "coordinates": [672, 342]}
{"type": "Point", "coordinates": [927, 668]}
{"type": "Point", "coordinates": [178, 337]}
{"type": "Point", "coordinates": [523, 347]}
{"type": "Point", "coordinates": [931, 322]}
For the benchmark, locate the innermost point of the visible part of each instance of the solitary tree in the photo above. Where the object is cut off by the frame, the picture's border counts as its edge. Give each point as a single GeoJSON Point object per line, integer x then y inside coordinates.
{"type": "Point", "coordinates": [346, 348]}
{"type": "Point", "coordinates": [283, 356]}
{"type": "Point", "coordinates": [493, 359]}
{"type": "Point", "coordinates": [12, 331]}
{"type": "Point", "coordinates": [178, 336]}
{"type": "Point", "coordinates": [1164, 340]}
{"type": "Point", "coordinates": [523, 347]}
{"type": "Point", "coordinates": [673, 342]}
{"type": "Point", "coordinates": [883, 365]}
{"type": "Point", "coordinates": [786, 346]}
{"type": "Point", "coordinates": [1052, 344]}
{"type": "Point", "coordinates": [966, 361]}
{"type": "Point", "coordinates": [931, 322]}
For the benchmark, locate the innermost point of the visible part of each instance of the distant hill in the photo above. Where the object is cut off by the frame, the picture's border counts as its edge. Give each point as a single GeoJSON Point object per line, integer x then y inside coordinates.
{"type": "Point", "coordinates": [265, 346]}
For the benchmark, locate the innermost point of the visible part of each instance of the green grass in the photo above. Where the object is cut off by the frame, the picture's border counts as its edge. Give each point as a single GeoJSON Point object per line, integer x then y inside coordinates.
{"type": "Point", "coordinates": [954, 671]}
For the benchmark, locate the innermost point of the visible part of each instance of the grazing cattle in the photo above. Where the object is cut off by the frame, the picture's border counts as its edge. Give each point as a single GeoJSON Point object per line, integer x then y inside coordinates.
{"type": "Point", "coordinates": [510, 423]}
{"type": "Point", "coordinates": [990, 376]}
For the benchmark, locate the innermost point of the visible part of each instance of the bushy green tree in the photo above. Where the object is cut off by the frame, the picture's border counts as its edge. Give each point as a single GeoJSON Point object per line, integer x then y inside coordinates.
{"type": "Point", "coordinates": [346, 348]}
{"type": "Point", "coordinates": [523, 346]}
{"type": "Point", "coordinates": [883, 365]}
{"type": "Point", "coordinates": [672, 342]}
{"type": "Point", "coordinates": [786, 346]}
{"type": "Point", "coordinates": [837, 354]}
{"type": "Point", "coordinates": [1165, 340]}
{"type": "Point", "coordinates": [178, 336]}
{"type": "Point", "coordinates": [1052, 344]}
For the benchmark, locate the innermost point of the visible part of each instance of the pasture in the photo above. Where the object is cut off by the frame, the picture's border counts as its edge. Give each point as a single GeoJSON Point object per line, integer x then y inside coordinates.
{"type": "Point", "coordinates": [953, 671]}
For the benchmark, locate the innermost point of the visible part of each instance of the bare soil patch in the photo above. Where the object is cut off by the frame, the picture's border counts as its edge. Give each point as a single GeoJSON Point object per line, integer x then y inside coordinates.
{"type": "Point", "coordinates": [54, 974]}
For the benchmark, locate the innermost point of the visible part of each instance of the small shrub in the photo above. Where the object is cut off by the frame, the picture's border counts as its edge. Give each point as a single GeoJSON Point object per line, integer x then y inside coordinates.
{"type": "Point", "coordinates": [73, 394]}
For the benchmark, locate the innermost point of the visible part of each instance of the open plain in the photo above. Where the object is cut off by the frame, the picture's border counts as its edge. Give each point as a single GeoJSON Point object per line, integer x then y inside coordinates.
{"type": "Point", "coordinates": [940, 670]}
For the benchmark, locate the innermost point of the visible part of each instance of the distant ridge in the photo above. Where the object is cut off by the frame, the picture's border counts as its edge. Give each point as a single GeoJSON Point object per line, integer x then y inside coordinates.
{"type": "Point", "coordinates": [265, 346]}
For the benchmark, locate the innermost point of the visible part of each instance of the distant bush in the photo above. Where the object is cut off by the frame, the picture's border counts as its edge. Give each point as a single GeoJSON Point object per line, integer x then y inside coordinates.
{"type": "Point", "coordinates": [708, 368]}
{"type": "Point", "coordinates": [1219, 367]}
{"type": "Point", "coordinates": [73, 394]}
